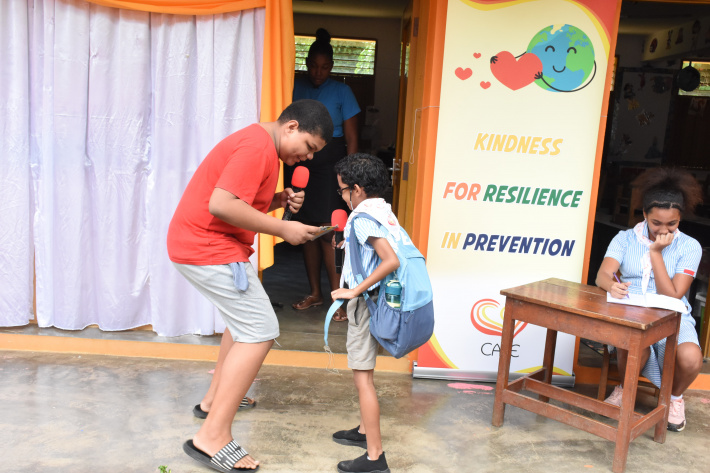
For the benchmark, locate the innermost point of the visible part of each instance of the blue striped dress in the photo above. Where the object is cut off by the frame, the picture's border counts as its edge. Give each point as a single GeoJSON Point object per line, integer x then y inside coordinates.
{"type": "Point", "coordinates": [682, 256]}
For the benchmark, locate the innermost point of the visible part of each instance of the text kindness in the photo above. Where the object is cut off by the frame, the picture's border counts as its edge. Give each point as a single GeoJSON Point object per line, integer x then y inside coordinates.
{"type": "Point", "coordinates": [517, 144]}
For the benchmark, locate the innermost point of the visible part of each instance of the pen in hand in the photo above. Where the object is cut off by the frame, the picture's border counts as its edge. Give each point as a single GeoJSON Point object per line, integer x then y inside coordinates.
{"type": "Point", "coordinates": [617, 280]}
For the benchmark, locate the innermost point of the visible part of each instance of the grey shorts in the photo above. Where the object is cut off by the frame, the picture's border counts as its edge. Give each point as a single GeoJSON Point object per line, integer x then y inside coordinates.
{"type": "Point", "coordinates": [248, 315]}
{"type": "Point", "coordinates": [361, 345]}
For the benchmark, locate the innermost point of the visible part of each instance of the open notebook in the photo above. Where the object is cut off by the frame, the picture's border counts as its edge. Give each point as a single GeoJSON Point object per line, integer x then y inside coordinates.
{"type": "Point", "coordinates": [650, 300]}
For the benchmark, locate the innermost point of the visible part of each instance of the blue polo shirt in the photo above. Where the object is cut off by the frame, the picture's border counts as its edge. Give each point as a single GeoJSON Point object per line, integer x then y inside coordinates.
{"type": "Point", "coordinates": [336, 96]}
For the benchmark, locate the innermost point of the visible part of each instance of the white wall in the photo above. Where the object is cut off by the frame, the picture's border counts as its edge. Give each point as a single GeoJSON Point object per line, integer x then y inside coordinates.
{"type": "Point", "coordinates": [387, 33]}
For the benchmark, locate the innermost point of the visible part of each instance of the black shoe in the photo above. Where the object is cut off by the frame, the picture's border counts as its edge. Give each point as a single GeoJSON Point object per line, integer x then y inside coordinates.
{"type": "Point", "coordinates": [363, 465]}
{"type": "Point", "coordinates": [350, 437]}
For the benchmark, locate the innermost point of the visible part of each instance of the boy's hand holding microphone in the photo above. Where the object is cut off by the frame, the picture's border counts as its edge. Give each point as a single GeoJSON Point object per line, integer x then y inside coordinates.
{"type": "Point", "coordinates": [292, 200]}
{"type": "Point", "coordinates": [299, 181]}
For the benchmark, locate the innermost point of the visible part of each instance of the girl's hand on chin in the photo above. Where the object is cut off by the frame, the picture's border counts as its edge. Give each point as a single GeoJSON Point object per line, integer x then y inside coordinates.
{"type": "Point", "coordinates": [662, 241]}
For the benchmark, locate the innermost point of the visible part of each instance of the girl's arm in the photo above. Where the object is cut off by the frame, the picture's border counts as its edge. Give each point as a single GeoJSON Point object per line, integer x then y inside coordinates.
{"type": "Point", "coordinates": [389, 263]}
{"type": "Point", "coordinates": [680, 283]}
{"type": "Point", "coordinates": [605, 279]}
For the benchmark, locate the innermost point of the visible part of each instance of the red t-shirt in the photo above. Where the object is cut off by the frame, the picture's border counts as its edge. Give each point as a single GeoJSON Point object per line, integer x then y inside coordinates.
{"type": "Point", "coordinates": [246, 164]}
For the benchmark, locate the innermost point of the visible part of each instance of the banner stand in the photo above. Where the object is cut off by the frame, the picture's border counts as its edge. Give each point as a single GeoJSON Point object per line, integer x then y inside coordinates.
{"type": "Point", "coordinates": [524, 85]}
{"type": "Point", "coordinates": [481, 376]}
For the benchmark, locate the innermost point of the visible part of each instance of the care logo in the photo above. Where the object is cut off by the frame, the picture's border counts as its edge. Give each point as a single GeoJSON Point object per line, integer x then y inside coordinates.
{"type": "Point", "coordinates": [487, 316]}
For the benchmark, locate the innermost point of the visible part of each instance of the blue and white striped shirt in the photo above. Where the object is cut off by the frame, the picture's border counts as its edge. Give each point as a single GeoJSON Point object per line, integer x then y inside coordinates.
{"type": "Point", "coordinates": [681, 256]}
{"type": "Point", "coordinates": [364, 228]}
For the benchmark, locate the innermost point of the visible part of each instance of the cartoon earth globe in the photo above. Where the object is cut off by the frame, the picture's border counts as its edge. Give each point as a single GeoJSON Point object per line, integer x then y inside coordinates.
{"type": "Point", "coordinates": [567, 57]}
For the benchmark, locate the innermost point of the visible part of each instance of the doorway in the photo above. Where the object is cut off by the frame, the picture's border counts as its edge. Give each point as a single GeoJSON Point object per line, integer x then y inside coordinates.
{"type": "Point", "coordinates": [286, 282]}
{"type": "Point", "coordinates": [652, 122]}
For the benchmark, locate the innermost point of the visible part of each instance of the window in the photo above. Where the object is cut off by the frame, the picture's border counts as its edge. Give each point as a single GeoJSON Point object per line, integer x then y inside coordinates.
{"type": "Point", "coordinates": [350, 56]}
{"type": "Point", "coordinates": [406, 59]}
{"type": "Point", "coordinates": [703, 89]}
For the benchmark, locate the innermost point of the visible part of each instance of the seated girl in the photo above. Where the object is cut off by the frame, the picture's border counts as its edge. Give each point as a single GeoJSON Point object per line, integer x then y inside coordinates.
{"type": "Point", "coordinates": [656, 257]}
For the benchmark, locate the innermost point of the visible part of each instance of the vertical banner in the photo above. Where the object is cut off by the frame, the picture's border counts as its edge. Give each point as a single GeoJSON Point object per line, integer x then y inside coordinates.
{"type": "Point", "coordinates": [521, 97]}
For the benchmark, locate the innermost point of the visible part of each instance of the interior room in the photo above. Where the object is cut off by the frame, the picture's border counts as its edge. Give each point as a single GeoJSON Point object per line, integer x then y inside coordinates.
{"type": "Point", "coordinates": [377, 94]}
{"type": "Point", "coordinates": [654, 122]}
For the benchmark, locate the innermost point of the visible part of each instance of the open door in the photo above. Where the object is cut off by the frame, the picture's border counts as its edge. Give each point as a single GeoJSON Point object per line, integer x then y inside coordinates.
{"type": "Point", "coordinates": [403, 82]}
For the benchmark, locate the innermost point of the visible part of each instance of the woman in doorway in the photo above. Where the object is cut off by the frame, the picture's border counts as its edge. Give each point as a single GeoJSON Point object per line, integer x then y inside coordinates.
{"type": "Point", "coordinates": [321, 194]}
{"type": "Point", "coordinates": [656, 257]}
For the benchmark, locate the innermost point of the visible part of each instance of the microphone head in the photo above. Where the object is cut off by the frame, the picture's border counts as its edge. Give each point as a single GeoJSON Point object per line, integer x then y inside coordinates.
{"type": "Point", "coordinates": [340, 218]}
{"type": "Point", "coordinates": [300, 177]}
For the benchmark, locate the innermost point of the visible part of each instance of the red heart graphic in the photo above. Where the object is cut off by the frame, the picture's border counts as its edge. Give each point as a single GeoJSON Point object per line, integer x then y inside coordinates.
{"type": "Point", "coordinates": [463, 74]}
{"type": "Point", "coordinates": [476, 55]}
{"type": "Point", "coordinates": [485, 84]}
{"type": "Point", "coordinates": [513, 73]}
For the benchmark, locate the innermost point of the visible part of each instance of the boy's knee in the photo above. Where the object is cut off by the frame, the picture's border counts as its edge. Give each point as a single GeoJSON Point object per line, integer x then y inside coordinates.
{"type": "Point", "coordinates": [363, 378]}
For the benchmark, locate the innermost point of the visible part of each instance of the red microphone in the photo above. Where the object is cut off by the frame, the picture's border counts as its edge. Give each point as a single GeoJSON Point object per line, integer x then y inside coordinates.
{"type": "Point", "coordinates": [299, 181]}
{"type": "Point", "coordinates": [340, 218]}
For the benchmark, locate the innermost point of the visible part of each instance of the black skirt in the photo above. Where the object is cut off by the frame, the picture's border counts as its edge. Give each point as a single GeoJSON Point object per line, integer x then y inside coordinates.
{"type": "Point", "coordinates": [321, 192]}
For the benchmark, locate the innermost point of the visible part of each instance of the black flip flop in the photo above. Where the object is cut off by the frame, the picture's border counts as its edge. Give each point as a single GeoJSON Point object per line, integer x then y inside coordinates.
{"type": "Point", "coordinates": [245, 404]}
{"type": "Point", "coordinates": [223, 460]}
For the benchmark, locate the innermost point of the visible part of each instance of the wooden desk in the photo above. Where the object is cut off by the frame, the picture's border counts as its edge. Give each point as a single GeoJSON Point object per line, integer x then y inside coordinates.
{"type": "Point", "coordinates": [583, 311]}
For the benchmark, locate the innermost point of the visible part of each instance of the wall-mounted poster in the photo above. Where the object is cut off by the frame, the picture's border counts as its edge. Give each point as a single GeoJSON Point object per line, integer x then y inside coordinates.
{"type": "Point", "coordinates": [521, 98]}
{"type": "Point", "coordinates": [640, 116]}
{"type": "Point", "coordinates": [692, 35]}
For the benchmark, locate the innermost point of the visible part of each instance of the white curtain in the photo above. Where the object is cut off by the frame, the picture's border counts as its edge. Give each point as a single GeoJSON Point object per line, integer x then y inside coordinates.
{"type": "Point", "coordinates": [123, 106]}
{"type": "Point", "coordinates": [15, 185]}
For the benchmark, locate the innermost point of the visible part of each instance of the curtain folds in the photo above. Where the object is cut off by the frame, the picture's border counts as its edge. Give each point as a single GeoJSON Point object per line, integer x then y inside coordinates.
{"type": "Point", "coordinates": [278, 64]}
{"type": "Point", "coordinates": [218, 100]}
{"type": "Point", "coordinates": [105, 115]}
{"type": "Point", "coordinates": [15, 185]}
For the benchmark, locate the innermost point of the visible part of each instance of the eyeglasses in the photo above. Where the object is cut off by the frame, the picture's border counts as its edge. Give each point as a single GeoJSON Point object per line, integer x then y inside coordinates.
{"type": "Point", "coordinates": [341, 189]}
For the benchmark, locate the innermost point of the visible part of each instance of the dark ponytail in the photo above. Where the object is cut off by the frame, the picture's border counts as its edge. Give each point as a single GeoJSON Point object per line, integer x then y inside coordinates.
{"type": "Point", "coordinates": [321, 46]}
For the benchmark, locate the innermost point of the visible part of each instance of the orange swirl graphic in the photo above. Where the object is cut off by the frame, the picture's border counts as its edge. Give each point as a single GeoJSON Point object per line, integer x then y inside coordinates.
{"type": "Point", "coordinates": [487, 316]}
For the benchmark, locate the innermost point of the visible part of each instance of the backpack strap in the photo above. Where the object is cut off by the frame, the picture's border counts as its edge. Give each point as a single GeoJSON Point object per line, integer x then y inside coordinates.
{"type": "Point", "coordinates": [358, 272]}
{"type": "Point", "coordinates": [328, 317]}
{"type": "Point", "coordinates": [356, 259]}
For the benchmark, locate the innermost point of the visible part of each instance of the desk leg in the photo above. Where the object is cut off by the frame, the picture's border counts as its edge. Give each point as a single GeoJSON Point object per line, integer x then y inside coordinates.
{"type": "Point", "coordinates": [506, 346]}
{"type": "Point", "coordinates": [548, 360]}
{"type": "Point", "coordinates": [628, 402]}
{"type": "Point", "coordinates": [664, 397]}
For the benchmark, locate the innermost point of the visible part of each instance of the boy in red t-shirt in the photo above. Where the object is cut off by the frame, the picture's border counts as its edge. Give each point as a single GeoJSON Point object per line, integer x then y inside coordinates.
{"type": "Point", "coordinates": [210, 240]}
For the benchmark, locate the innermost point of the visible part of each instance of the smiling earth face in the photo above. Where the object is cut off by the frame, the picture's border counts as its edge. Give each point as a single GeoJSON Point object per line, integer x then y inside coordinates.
{"type": "Point", "coordinates": [567, 57]}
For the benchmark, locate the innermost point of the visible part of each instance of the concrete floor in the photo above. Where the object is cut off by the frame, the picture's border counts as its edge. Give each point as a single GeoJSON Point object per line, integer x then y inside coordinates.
{"type": "Point", "coordinates": [71, 413]}
{"type": "Point", "coordinates": [75, 414]}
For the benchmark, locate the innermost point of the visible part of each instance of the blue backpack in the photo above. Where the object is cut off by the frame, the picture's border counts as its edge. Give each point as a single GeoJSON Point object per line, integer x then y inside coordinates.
{"type": "Point", "coordinates": [403, 329]}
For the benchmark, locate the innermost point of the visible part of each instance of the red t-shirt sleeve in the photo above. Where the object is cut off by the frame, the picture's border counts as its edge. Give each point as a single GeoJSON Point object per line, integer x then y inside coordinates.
{"type": "Point", "coordinates": [243, 174]}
